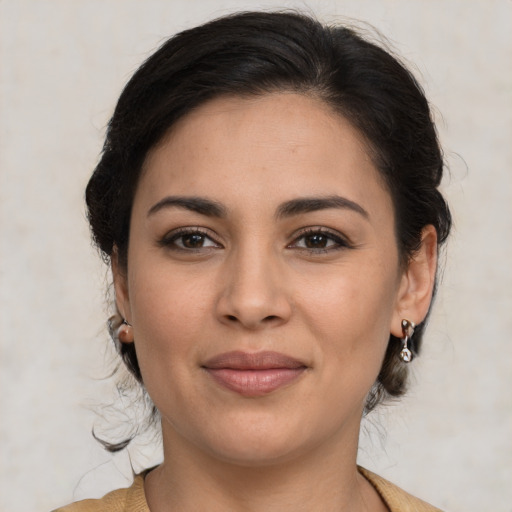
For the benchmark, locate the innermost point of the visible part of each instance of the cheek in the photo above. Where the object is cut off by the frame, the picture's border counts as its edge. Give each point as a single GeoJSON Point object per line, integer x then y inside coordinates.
{"type": "Point", "coordinates": [351, 311]}
{"type": "Point", "coordinates": [165, 295]}
{"type": "Point", "coordinates": [169, 314]}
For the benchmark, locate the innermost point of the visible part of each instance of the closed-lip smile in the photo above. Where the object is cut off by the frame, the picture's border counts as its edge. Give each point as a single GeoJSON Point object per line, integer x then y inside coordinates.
{"type": "Point", "coordinates": [254, 374]}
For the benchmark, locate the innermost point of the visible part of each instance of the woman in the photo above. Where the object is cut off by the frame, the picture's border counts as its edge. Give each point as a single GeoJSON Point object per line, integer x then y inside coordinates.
{"type": "Point", "coordinates": [268, 200]}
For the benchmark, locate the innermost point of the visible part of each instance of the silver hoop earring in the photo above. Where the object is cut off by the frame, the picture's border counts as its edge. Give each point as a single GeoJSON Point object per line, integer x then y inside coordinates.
{"type": "Point", "coordinates": [407, 332]}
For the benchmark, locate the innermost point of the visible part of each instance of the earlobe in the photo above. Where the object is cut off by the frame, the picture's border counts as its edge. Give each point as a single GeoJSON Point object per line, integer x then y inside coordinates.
{"type": "Point", "coordinates": [417, 285]}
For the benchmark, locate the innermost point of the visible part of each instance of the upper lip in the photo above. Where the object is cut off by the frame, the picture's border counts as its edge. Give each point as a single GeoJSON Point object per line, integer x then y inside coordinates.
{"type": "Point", "coordinates": [238, 360]}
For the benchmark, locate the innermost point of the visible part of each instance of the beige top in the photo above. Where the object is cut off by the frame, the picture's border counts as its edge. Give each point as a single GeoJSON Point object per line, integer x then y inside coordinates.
{"type": "Point", "coordinates": [133, 499]}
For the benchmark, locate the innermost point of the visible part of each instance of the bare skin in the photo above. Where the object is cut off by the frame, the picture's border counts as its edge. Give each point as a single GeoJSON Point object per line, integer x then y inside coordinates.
{"type": "Point", "coordinates": [262, 232]}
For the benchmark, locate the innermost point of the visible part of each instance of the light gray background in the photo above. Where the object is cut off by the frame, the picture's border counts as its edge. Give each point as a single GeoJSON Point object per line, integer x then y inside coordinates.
{"type": "Point", "coordinates": [63, 64]}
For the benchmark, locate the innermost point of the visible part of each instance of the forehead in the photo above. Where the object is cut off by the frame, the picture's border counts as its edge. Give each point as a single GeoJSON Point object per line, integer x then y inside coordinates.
{"type": "Point", "coordinates": [281, 144]}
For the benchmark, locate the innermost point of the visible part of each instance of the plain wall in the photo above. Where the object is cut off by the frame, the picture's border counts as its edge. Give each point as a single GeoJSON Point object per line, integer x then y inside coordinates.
{"type": "Point", "coordinates": [62, 67]}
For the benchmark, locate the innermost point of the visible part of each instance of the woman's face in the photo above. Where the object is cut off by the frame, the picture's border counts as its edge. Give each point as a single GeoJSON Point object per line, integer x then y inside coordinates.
{"type": "Point", "coordinates": [263, 279]}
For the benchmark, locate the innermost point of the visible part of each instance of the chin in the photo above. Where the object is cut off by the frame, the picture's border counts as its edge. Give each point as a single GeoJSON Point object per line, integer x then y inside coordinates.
{"type": "Point", "coordinates": [250, 453]}
{"type": "Point", "coordinates": [256, 441]}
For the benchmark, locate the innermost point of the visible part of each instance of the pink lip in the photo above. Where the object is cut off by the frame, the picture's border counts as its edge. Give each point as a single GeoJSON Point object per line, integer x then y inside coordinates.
{"type": "Point", "coordinates": [254, 374]}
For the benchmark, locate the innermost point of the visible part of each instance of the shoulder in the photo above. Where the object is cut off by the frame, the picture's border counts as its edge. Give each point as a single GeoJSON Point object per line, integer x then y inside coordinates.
{"type": "Point", "coordinates": [131, 499]}
{"type": "Point", "coordinates": [395, 498]}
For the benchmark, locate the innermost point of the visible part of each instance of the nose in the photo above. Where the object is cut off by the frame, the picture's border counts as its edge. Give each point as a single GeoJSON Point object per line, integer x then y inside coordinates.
{"type": "Point", "coordinates": [253, 292]}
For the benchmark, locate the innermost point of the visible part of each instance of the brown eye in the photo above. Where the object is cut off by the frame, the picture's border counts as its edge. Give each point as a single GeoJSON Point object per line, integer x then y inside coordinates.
{"type": "Point", "coordinates": [193, 241]}
{"type": "Point", "coordinates": [316, 241]}
{"type": "Point", "coordinates": [319, 240]}
{"type": "Point", "coordinates": [188, 239]}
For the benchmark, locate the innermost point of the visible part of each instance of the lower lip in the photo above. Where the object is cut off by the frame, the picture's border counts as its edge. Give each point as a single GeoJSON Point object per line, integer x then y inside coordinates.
{"type": "Point", "coordinates": [253, 383]}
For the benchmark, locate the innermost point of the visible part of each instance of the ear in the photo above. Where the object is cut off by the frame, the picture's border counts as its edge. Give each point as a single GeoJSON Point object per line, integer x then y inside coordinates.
{"type": "Point", "coordinates": [122, 296]}
{"type": "Point", "coordinates": [417, 283]}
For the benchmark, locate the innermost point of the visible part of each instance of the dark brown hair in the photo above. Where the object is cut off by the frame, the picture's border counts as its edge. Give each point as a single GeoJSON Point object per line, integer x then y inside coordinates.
{"type": "Point", "coordinates": [255, 53]}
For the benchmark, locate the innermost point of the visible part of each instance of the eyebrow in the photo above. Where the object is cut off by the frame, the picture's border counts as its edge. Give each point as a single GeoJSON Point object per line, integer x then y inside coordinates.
{"type": "Point", "coordinates": [199, 205]}
{"type": "Point", "coordinates": [297, 206]}
{"type": "Point", "coordinates": [312, 204]}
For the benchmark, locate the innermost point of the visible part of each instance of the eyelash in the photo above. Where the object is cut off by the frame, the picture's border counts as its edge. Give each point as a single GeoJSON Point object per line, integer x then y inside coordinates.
{"type": "Point", "coordinates": [170, 239]}
{"type": "Point", "coordinates": [337, 242]}
{"type": "Point", "coordinates": [340, 242]}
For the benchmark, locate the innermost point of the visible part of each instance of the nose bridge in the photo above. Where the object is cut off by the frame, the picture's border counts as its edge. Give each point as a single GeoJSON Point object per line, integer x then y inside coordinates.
{"type": "Point", "coordinates": [253, 292]}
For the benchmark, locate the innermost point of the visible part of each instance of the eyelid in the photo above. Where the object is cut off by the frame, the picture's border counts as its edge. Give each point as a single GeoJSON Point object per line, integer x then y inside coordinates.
{"type": "Point", "coordinates": [167, 240]}
{"type": "Point", "coordinates": [342, 241]}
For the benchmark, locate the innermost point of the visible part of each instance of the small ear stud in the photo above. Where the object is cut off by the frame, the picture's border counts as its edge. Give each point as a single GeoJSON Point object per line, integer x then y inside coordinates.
{"type": "Point", "coordinates": [406, 355]}
{"type": "Point", "coordinates": [125, 332]}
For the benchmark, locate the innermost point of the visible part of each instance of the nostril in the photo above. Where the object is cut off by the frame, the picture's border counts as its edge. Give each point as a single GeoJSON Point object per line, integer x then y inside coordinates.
{"type": "Point", "coordinates": [267, 319]}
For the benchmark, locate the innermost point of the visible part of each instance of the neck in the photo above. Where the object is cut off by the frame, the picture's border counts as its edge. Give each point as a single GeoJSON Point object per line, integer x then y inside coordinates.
{"type": "Point", "coordinates": [324, 479]}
